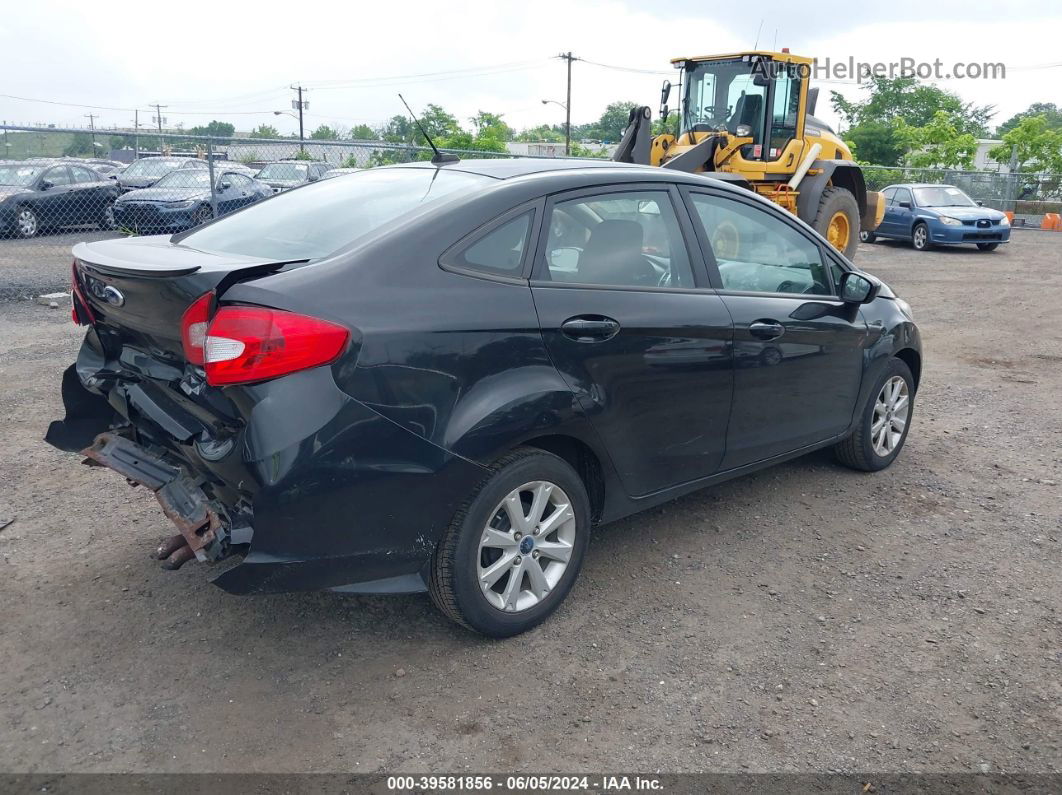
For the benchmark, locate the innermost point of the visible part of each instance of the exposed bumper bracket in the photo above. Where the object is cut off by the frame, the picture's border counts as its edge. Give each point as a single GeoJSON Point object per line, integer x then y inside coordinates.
{"type": "Point", "coordinates": [180, 497]}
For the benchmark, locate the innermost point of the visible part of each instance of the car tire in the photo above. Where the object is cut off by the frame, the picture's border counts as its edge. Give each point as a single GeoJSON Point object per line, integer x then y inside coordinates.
{"type": "Point", "coordinates": [866, 449]}
{"type": "Point", "coordinates": [27, 224]}
{"type": "Point", "coordinates": [484, 541]}
{"type": "Point", "coordinates": [837, 208]}
{"type": "Point", "coordinates": [866, 236]}
{"type": "Point", "coordinates": [920, 237]}
{"type": "Point", "coordinates": [107, 222]}
{"type": "Point", "coordinates": [202, 216]}
{"type": "Point", "coordinates": [988, 246]}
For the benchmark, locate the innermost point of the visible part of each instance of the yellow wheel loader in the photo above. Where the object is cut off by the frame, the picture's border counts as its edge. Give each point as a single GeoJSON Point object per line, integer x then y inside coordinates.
{"type": "Point", "coordinates": [749, 118]}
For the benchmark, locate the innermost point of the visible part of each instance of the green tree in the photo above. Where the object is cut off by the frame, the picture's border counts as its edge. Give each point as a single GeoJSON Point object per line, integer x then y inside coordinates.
{"type": "Point", "coordinates": [612, 123]}
{"type": "Point", "coordinates": [265, 131]}
{"type": "Point", "coordinates": [938, 144]}
{"type": "Point", "coordinates": [492, 125]}
{"type": "Point", "coordinates": [1052, 115]}
{"type": "Point", "coordinates": [914, 102]}
{"type": "Point", "coordinates": [875, 142]}
{"type": "Point", "coordinates": [544, 132]}
{"type": "Point", "coordinates": [363, 132]}
{"type": "Point", "coordinates": [80, 144]}
{"type": "Point", "coordinates": [324, 133]}
{"type": "Point", "coordinates": [216, 129]}
{"type": "Point", "coordinates": [1037, 145]}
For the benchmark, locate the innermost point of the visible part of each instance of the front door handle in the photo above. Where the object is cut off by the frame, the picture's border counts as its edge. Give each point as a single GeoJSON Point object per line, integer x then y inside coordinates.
{"type": "Point", "coordinates": [590, 328]}
{"type": "Point", "coordinates": [766, 329]}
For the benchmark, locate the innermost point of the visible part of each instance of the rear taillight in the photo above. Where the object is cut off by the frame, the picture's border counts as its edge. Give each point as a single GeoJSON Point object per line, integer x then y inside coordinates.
{"type": "Point", "coordinates": [80, 312]}
{"type": "Point", "coordinates": [245, 344]}
{"type": "Point", "coordinates": [194, 324]}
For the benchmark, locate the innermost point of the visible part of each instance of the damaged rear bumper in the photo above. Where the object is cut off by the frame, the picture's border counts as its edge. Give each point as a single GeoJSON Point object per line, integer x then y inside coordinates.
{"type": "Point", "coordinates": [309, 485]}
{"type": "Point", "coordinates": [181, 498]}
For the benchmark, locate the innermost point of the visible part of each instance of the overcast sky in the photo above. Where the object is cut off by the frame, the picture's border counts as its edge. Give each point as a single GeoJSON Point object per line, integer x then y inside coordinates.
{"type": "Point", "coordinates": [233, 61]}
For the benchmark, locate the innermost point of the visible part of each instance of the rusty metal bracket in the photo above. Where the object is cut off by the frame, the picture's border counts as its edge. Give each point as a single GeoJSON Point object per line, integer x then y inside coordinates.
{"type": "Point", "coordinates": [182, 500]}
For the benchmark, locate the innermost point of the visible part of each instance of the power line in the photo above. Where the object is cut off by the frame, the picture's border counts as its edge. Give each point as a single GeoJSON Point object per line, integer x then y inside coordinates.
{"type": "Point", "coordinates": [465, 72]}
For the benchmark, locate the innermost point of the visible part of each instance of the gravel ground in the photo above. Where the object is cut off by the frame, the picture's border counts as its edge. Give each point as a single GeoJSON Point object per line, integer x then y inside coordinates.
{"type": "Point", "coordinates": [41, 264]}
{"type": "Point", "coordinates": [806, 618]}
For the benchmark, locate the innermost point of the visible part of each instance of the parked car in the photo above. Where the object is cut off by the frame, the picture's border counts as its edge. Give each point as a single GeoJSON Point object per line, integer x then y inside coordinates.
{"type": "Point", "coordinates": [40, 195]}
{"type": "Point", "coordinates": [285, 174]}
{"type": "Point", "coordinates": [338, 172]}
{"type": "Point", "coordinates": [438, 378]}
{"type": "Point", "coordinates": [181, 199]}
{"type": "Point", "coordinates": [146, 171]}
{"type": "Point", "coordinates": [934, 215]}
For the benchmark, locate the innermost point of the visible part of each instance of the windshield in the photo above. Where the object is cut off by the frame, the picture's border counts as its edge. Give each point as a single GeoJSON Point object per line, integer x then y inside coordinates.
{"type": "Point", "coordinates": [720, 95]}
{"type": "Point", "coordinates": [151, 167]}
{"type": "Point", "coordinates": [185, 178]}
{"type": "Point", "coordinates": [942, 196]}
{"type": "Point", "coordinates": [323, 217]}
{"type": "Point", "coordinates": [283, 171]}
{"type": "Point", "coordinates": [18, 175]}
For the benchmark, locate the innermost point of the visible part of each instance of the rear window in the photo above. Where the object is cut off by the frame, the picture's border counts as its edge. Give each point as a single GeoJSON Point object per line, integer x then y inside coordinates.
{"type": "Point", "coordinates": [325, 216]}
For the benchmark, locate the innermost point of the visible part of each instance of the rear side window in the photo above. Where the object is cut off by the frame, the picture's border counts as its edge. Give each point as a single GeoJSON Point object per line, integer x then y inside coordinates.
{"type": "Point", "coordinates": [501, 250]}
{"type": "Point", "coordinates": [328, 215]}
{"type": "Point", "coordinates": [621, 239]}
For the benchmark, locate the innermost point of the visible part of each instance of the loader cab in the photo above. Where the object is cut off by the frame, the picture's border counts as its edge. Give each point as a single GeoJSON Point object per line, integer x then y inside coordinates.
{"type": "Point", "coordinates": [760, 97]}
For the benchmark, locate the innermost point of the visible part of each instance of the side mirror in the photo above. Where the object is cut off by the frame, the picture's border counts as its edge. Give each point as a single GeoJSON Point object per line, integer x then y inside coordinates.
{"type": "Point", "coordinates": [46, 185]}
{"type": "Point", "coordinates": [665, 94]}
{"type": "Point", "coordinates": [314, 178]}
{"type": "Point", "coordinates": [980, 204]}
{"type": "Point", "coordinates": [856, 288]}
{"type": "Point", "coordinates": [225, 185]}
{"type": "Point", "coordinates": [905, 205]}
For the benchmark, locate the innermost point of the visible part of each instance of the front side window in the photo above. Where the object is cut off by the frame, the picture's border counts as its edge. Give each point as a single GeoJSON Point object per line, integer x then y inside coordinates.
{"type": "Point", "coordinates": [902, 195]}
{"type": "Point", "coordinates": [57, 176]}
{"type": "Point", "coordinates": [786, 106]}
{"type": "Point", "coordinates": [757, 252]}
{"type": "Point", "coordinates": [629, 239]}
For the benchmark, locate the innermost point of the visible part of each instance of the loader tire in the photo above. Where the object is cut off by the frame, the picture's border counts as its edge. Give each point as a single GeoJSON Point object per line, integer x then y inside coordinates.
{"type": "Point", "coordinates": [837, 220]}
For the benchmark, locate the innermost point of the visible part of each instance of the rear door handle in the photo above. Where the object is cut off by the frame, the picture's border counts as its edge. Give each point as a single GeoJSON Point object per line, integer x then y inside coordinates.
{"type": "Point", "coordinates": [590, 328]}
{"type": "Point", "coordinates": [766, 329]}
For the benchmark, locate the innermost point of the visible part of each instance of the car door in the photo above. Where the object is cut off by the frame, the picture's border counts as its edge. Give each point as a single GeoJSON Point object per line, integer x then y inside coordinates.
{"type": "Point", "coordinates": [901, 217]}
{"type": "Point", "coordinates": [89, 195]}
{"type": "Point", "coordinates": [631, 323]}
{"type": "Point", "coordinates": [55, 196]}
{"type": "Point", "coordinates": [888, 220]}
{"type": "Point", "coordinates": [227, 193]}
{"type": "Point", "coordinates": [798, 349]}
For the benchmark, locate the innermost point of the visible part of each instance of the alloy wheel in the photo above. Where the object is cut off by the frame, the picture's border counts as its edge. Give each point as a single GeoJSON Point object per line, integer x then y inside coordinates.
{"type": "Point", "coordinates": [891, 411]}
{"type": "Point", "coordinates": [27, 222]}
{"type": "Point", "coordinates": [526, 546]}
{"type": "Point", "coordinates": [921, 235]}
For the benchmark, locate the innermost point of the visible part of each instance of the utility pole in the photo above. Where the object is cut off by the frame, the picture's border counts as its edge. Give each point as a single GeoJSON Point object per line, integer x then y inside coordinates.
{"type": "Point", "coordinates": [299, 105]}
{"type": "Point", "coordinates": [567, 56]}
{"type": "Point", "coordinates": [92, 126]}
{"type": "Point", "coordinates": [159, 120]}
{"type": "Point", "coordinates": [136, 134]}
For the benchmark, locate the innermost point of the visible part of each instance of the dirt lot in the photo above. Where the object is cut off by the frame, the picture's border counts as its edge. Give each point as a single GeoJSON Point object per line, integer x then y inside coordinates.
{"type": "Point", "coordinates": [806, 618]}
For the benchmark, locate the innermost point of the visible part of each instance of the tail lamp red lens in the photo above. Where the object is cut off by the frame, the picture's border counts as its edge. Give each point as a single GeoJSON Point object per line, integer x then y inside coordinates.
{"type": "Point", "coordinates": [194, 324]}
{"type": "Point", "coordinates": [245, 344]}
{"type": "Point", "coordinates": [80, 311]}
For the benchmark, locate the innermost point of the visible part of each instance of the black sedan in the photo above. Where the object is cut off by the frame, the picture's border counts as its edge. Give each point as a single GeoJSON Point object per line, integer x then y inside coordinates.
{"type": "Point", "coordinates": [40, 195]}
{"type": "Point", "coordinates": [438, 378]}
{"type": "Point", "coordinates": [182, 199]}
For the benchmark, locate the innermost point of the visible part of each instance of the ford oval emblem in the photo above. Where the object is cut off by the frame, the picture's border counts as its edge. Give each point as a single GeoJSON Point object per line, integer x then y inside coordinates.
{"type": "Point", "coordinates": [113, 296]}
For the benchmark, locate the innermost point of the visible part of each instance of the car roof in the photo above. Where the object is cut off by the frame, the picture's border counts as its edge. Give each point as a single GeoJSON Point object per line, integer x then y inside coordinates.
{"type": "Point", "coordinates": [546, 167]}
{"type": "Point", "coordinates": [918, 185]}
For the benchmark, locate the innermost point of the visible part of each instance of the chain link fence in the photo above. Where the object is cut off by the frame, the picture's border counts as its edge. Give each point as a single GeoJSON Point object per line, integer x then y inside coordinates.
{"type": "Point", "coordinates": [59, 186]}
{"type": "Point", "coordinates": [1028, 196]}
